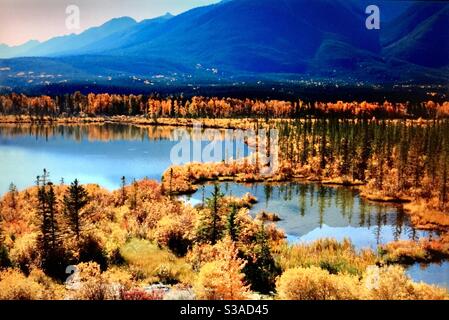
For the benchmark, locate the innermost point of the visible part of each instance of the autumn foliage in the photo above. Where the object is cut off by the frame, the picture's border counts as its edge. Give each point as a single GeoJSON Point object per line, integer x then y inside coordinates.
{"type": "Point", "coordinates": [222, 278]}
{"type": "Point", "coordinates": [152, 107]}
{"type": "Point", "coordinates": [387, 283]}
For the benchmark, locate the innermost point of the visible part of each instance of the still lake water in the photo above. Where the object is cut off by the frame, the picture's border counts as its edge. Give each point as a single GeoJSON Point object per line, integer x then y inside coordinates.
{"type": "Point", "coordinates": [311, 211]}
{"type": "Point", "coordinates": [99, 154]}
{"type": "Point", "coordinates": [102, 154]}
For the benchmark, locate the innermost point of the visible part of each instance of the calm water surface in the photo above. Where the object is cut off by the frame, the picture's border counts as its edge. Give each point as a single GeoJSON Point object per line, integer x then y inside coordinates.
{"type": "Point", "coordinates": [311, 211]}
{"type": "Point", "coordinates": [91, 153]}
{"type": "Point", "coordinates": [435, 273]}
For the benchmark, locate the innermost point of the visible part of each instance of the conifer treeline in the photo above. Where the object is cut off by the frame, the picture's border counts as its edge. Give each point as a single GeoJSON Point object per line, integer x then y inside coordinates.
{"type": "Point", "coordinates": [395, 157]}
{"type": "Point", "coordinates": [77, 104]}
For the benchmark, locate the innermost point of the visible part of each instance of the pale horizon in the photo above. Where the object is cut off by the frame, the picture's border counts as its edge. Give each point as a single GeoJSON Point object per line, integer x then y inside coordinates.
{"type": "Point", "coordinates": [25, 20]}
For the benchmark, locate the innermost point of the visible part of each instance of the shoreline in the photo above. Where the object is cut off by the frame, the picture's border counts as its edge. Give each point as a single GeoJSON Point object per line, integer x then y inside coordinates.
{"type": "Point", "coordinates": [219, 123]}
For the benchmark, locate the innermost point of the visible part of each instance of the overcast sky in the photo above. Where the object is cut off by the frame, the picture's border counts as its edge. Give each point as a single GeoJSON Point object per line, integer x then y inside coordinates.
{"type": "Point", "coordinates": [23, 20]}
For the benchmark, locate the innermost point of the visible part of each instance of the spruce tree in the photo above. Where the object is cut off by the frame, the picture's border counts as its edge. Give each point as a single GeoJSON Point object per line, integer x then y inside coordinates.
{"type": "Point", "coordinates": [50, 242]}
{"type": "Point", "coordinates": [323, 145]}
{"type": "Point", "coordinates": [231, 225]}
{"type": "Point", "coordinates": [4, 256]}
{"type": "Point", "coordinates": [214, 206]}
{"type": "Point", "coordinates": [261, 271]}
{"type": "Point", "coordinates": [211, 226]}
{"type": "Point", "coordinates": [123, 190]}
{"type": "Point", "coordinates": [444, 178]}
{"type": "Point", "coordinates": [74, 201]}
{"type": "Point", "coordinates": [13, 194]}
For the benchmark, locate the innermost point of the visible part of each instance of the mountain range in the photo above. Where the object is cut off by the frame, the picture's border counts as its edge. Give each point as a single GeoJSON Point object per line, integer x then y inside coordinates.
{"type": "Point", "coordinates": [244, 40]}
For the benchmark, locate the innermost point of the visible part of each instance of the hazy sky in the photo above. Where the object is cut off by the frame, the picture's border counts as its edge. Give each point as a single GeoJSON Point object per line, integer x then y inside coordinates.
{"type": "Point", "coordinates": [23, 20]}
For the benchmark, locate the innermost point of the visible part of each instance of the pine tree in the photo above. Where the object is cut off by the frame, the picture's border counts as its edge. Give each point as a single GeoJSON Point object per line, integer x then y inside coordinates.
{"type": "Point", "coordinates": [123, 190]}
{"type": "Point", "coordinates": [444, 178]}
{"type": "Point", "coordinates": [305, 144]}
{"type": "Point", "coordinates": [49, 239]}
{"type": "Point", "coordinates": [13, 196]}
{"type": "Point", "coordinates": [402, 160]}
{"type": "Point", "coordinates": [323, 145]}
{"type": "Point", "coordinates": [4, 256]}
{"type": "Point", "coordinates": [261, 271]}
{"type": "Point", "coordinates": [211, 226]}
{"type": "Point", "coordinates": [214, 205]}
{"type": "Point", "coordinates": [74, 201]}
{"type": "Point", "coordinates": [231, 226]}
{"type": "Point", "coordinates": [171, 183]}
{"type": "Point", "coordinates": [344, 165]}
{"type": "Point", "coordinates": [365, 152]}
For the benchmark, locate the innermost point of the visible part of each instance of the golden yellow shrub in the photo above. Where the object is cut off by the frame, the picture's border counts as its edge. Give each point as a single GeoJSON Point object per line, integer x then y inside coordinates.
{"type": "Point", "coordinates": [147, 261]}
{"type": "Point", "coordinates": [93, 285]}
{"type": "Point", "coordinates": [391, 283]}
{"type": "Point", "coordinates": [15, 286]}
{"type": "Point", "coordinates": [222, 279]}
{"type": "Point", "coordinates": [316, 284]}
{"type": "Point", "coordinates": [24, 253]}
{"type": "Point", "coordinates": [329, 254]}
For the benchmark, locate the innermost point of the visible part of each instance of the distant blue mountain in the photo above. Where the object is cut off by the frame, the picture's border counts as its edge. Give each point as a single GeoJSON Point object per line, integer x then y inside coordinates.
{"type": "Point", "coordinates": [250, 39]}
{"type": "Point", "coordinates": [17, 51]}
{"type": "Point", "coordinates": [137, 33]}
{"type": "Point", "coordinates": [420, 35]}
{"type": "Point", "coordinates": [255, 36]}
{"type": "Point", "coordinates": [70, 43]}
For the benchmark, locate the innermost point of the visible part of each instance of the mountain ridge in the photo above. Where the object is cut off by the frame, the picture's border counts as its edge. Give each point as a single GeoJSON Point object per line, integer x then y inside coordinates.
{"type": "Point", "coordinates": [248, 39]}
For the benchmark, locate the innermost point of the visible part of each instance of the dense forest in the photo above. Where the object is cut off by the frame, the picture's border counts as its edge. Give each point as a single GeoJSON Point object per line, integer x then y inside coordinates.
{"type": "Point", "coordinates": [153, 107]}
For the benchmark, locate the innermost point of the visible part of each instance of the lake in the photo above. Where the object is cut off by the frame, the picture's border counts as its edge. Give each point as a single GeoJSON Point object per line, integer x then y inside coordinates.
{"type": "Point", "coordinates": [104, 153]}
{"type": "Point", "coordinates": [310, 211]}
{"type": "Point", "coordinates": [93, 153]}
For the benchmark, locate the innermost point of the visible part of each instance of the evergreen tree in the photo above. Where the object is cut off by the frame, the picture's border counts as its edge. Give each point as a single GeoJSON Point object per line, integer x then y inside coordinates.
{"type": "Point", "coordinates": [50, 242]}
{"type": "Point", "coordinates": [211, 225]}
{"type": "Point", "coordinates": [13, 196]}
{"type": "Point", "coordinates": [171, 183]}
{"type": "Point", "coordinates": [123, 190]}
{"type": "Point", "coordinates": [262, 270]}
{"type": "Point", "coordinates": [365, 152]}
{"type": "Point", "coordinates": [402, 160]}
{"type": "Point", "coordinates": [444, 178]}
{"type": "Point", "coordinates": [4, 256]}
{"type": "Point", "coordinates": [305, 144]}
{"type": "Point", "coordinates": [74, 201]}
{"type": "Point", "coordinates": [345, 164]}
{"type": "Point", "coordinates": [323, 145]}
{"type": "Point", "coordinates": [231, 225]}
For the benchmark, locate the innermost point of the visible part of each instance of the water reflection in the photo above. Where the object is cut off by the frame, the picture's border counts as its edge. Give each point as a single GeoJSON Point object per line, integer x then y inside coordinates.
{"type": "Point", "coordinates": [434, 273]}
{"type": "Point", "coordinates": [93, 153]}
{"type": "Point", "coordinates": [90, 132]}
{"type": "Point", "coordinates": [311, 211]}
